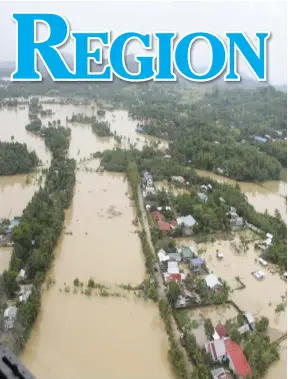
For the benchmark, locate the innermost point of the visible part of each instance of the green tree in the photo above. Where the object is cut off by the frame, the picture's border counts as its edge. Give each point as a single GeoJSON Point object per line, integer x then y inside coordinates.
{"type": "Point", "coordinates": [173, 291]}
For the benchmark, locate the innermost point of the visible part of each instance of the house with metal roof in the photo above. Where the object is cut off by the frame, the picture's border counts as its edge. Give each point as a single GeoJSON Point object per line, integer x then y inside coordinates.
{"type": "Point", "coordinates": [187, 254]}
{"type": "Point", "coordinates": [212, 282]}
{"type": "Point", "coordinates": [196, 265]}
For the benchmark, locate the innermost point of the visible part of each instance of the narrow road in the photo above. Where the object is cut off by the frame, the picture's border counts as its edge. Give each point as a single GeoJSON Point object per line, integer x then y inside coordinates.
{"type": "Point", "coordinates": [160, 283]}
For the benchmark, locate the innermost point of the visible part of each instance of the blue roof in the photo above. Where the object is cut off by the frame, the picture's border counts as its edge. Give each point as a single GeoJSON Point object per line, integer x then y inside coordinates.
{"type": "Point", "coordinates": [197, 261]}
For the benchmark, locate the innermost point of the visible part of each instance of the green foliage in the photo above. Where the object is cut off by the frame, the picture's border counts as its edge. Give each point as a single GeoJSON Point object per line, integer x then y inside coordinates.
{"type": "Point", "coordinates": [41, 222]}
{"type": "Point", "coordinates": [209, 328]}
{"type": "Point", "coordinates": [260, 353]}
{"type": "Point", "coordinates": [76, 282]}
{"type": "Point", "coordinates": [34, 126]}
{"type": "Point", "coordinates": [173, 291]}
{"type": "Point", "coordinates": [102, 128]}
{"type": "Point", "coordinates": [280, 308]}
{"type": "Point", "coordinates": [235, 335]}
{"type": "Point", "coordinates": [16, 159]}
{"type": "Point", "coordinates": [57, 140]}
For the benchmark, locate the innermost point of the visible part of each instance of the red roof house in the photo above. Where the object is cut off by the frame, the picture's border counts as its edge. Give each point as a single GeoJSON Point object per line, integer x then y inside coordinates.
{"type": "Point", "coordinates": [170, 277]}
{"type": "Point", "coordinates": [238, 363]}
{"type": "Point", "coordinates": [221, 331]}
{"type": "Point", "coordinates": [158, 216]}
{"type": "Point", "coordinates": [164, 226]}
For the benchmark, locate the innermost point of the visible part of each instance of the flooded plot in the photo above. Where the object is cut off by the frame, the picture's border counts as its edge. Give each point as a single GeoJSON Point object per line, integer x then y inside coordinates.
{"type": "Point", "coordinates": [279, 368]}
{"type": "Point", "coordinates": [13, 124]}
{"type": "Point", "coordinates": [15, 193]}
{"type": "Point", "coordinates": [5, 255]}
{"type": "Point", "coordinates": [217, 314]}
{"type": "Point", "coordinates": [252, 298]}
{"type": "Point", "coordinates": [269, 195]}
{"type": "Point", "coordinates": [97, 337]}
{"type": "Point", "coordinates": [91, 332]}
{"type": "Point", "coordinates": [104, 243]}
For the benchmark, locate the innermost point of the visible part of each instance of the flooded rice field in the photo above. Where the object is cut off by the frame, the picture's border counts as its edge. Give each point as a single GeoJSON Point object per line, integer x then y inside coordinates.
{"type": "Point", "coordinates": [77, 336]}
{"type": "Point", "coordinates": [268, 195]}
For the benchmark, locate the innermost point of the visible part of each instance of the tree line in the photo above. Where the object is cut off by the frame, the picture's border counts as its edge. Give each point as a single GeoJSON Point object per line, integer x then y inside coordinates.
{"type": "Point", "coordinates": [15, 158]}
{"type": "Point", "coordinates": [35, 238]}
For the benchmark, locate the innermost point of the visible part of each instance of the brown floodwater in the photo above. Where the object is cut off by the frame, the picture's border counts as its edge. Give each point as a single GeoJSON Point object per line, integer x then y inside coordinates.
{"type": "Point", "coordinates": [76, 336]}
{"type": "Point", "coordinates": [268, 195]}
{"type": "Point", "coordinates": [259, 297]}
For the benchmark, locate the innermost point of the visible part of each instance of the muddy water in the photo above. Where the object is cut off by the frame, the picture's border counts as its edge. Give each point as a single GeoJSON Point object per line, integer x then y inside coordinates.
{"type": "Point", "coordinates": [77, 336]}
{"type": "Point", "coordinates": [259, 297]}
{"type": "Point", "coordinates": [269, 195]}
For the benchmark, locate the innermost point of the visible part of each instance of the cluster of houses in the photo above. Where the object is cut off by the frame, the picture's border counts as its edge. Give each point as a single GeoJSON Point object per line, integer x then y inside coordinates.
{"type": "Point", "coordinates": [224, 350]}
{"type": "Point", "coordinates": [10, 313]}
{"type": "Point", "coordinates": [147, 184]}
{"type": "Point", "coordinates": [204, 189]}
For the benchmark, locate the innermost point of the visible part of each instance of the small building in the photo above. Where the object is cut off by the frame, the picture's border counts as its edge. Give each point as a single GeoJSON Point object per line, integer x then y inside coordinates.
{"type": "Point", "coordinates": [204, 188]}
{"type": "Point", "coordinates": [196, 265]}
{"type": "Point", "coordinates": [176, 257]}
{"type": "Point", "coordinates": [158, 216]}
{"type": "Point", "coordinates": [181, 302]}
{"type": "Point", "coordinates": [221, 330]}
{"type": "Point", "coordinates": [220, 373]}
{"type": "Point", "coordinates": [25, 292]}
{"type": "Point", "coordinates": [173, 268]}
{"type": "Point", "coordinates": [259, 275]}
{"type": "Point", "coordinates": [237, 360]}
{"type": "Point", "coordinates": [14, 222]}
{"type": "Point", "coordinates": [212, 282]}
{"type": "Point", "coordinates": [167, 156]}
{"type": "Point", "coordinates": [203, 197]}
{"type": "Point", "coordinates": [217, 350]}
{"type": "Point", "coordinates": [269, 235]}
{"type": "Point", "coordinates": [236, 222]}
{"type": "Point", "coordinates": [172, 277]}
{"type": "Point", "coordinates": [249, 318]}
{"type": "Point", "coordinates": [222, 200]}
{"type": "Point", "coordinates": [162, 256]}
{"type": "Point", "coordinates": [260, 139]}
{"type": "Point", "coordinates": [187, 254]}
{"type": "Point", "coordinates": [164, 227]}
{"type": "Point", "coordinates": [244, 329]}
{"type": "Point", "coordinates": [10, 314]}
{"type": "Point", "coordinates": [188, 222]}
{"type": "Point", "coordinates": [263, 262]}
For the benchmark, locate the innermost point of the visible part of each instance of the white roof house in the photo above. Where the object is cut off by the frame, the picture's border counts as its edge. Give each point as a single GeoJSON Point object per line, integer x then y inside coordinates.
{"type": "Point", "coordinates": [173, 268]}
{"type": "Point", "coordinates": [259, 275]}
{"type": "Point", "coordinates": [188, 221]}
{"type": "Point", "coordinates": [22, 273]}
{"type": "Point", "coordinates": [212, 282]}
{"type": "Point", "coordinates": [162, 256]}
{"type": "Point", "coordinates": [10, 312]}
{"type": "Point", "coordinates": [268, 235]}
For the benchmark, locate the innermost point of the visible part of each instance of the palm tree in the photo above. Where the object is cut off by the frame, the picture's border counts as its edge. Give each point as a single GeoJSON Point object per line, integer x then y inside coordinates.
{"type": "Point", "coordinates": [12, 138]}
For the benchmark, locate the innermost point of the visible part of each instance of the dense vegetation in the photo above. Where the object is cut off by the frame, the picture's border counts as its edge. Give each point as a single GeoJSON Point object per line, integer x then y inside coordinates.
{"type": "Point", "coordinates": [211, 216]}
{"type": "Point", "coordinates": [16, 159]}
{"type": "Point", "coordinates": [102, 128]}
{"type": "Point", "coordinates": [37, 234]}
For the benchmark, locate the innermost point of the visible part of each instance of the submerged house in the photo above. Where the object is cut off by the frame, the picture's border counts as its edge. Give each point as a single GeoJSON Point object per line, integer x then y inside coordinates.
{"type": "Point", "coordinates": [10, 314]}
{"type": "Point", "coordinates": [197, 265]}
{"type": "Point", "coordinates": [212, 282]}
{"type": "Point", "coordinates": [187, 254]}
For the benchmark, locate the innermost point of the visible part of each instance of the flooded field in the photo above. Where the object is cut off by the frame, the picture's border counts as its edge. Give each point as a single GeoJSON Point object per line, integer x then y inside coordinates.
{"type": "Point", "coordinates": [76, 336]}
{"type": "Point", "coordinates": [217, 314]}
{"type": "Point", "coordinates": [269, 195]}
